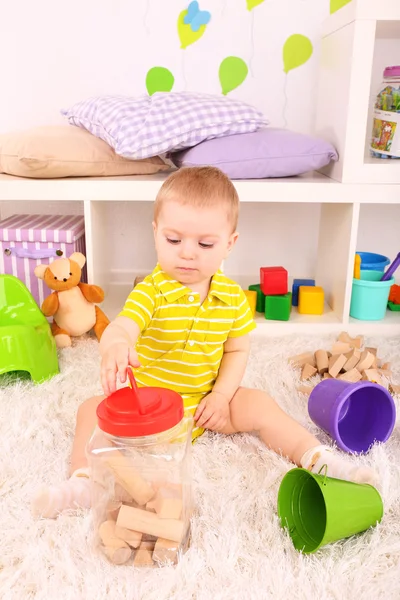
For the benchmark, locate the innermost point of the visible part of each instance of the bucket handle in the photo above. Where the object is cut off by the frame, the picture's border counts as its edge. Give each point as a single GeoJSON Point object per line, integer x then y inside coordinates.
{"type": "Point", "coordinates": [326, 473]}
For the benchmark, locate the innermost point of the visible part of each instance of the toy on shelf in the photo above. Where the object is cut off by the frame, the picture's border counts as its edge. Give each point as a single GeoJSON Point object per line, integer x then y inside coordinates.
{"type": "Point", "coordinates": [251, 296]}
{"type": "Point", "coordinates": [260, 306]}
{"type": "Point", "coordinates": [295, 288]}
{"type": "Point", "coordinates": [26, 342]}
{"type": "Point", "coordinates": [311, 300]}
{"type": "Point", "coordinates": [278, 307]}
{"type": "Point", "coordinates": [72, 304]}
{"type": "Point", "coordinates": [318, 510]}
{"type": "Point", "coordinates": [393, 267]}
{"type": "Point", "coordinates": [357, 267]}
{"type": "Point", "coordinates": [273, 280]}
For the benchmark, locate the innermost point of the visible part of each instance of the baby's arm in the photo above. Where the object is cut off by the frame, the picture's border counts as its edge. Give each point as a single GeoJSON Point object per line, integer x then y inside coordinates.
{"type": "Point", "coordinates": [233, 366]}
{"type": "Point", "coordinates": [117, 349]}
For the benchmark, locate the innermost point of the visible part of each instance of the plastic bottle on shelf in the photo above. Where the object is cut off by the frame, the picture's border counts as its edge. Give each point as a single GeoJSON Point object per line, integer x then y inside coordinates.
{"type": "Point", "coordinates": [385, 142]}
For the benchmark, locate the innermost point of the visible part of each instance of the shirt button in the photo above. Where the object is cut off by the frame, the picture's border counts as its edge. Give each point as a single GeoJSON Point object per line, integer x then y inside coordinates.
{"type": "Point", "coordinates": [190, 298]}
{"type": "Point", "coordinates": [191, 343]}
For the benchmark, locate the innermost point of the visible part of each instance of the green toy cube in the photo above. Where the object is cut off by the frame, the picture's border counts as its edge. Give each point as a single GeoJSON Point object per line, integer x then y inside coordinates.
{"type": "Point", "coordinates": [260, 306]}
{"type": "Point", "coordinates": [278, 308]}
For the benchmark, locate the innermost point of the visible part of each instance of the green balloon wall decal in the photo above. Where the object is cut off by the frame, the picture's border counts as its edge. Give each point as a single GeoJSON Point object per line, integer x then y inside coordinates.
{"type": "Point", "coordinates": [337, 4]}
{"type": "Point", "coordinates": [232, 72]}
{"type": "Point", "coordinates": [159, 79]}
{"type": "Point", "coordinates": [252, 3]}
{"type": "Point", "coordinates": [296, 51]}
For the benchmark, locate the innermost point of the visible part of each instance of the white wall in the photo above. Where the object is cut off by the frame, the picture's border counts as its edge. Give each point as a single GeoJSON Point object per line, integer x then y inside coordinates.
{"type": "Point", "coordinates": [55, 54]}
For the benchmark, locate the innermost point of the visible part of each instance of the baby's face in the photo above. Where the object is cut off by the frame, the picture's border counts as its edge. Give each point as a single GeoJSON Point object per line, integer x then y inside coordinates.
{"type": "Point", "coordinates": [191, 243]}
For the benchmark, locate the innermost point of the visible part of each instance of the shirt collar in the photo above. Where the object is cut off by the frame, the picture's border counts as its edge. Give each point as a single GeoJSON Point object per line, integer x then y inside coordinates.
{"type": "Point", "coordinates": [172, 290]}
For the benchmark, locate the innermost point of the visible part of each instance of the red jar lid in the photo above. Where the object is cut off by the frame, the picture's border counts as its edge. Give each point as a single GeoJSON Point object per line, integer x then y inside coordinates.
{"type": "Point", "coordinates": [136, 412]}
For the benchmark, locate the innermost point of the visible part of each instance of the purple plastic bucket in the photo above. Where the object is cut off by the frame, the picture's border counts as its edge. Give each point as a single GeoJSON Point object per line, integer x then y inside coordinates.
{"type": "Point", "coordinates": [355, 415]}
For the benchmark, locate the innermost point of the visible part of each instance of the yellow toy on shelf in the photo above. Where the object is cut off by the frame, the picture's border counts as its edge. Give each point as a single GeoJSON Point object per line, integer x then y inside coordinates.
{"type": "Point", "coordinates": [311, 300]}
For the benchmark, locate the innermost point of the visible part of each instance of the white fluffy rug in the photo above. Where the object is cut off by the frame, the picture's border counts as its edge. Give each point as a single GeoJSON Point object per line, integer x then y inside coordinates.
{"type": "Point", "coordinates": [238, 549]}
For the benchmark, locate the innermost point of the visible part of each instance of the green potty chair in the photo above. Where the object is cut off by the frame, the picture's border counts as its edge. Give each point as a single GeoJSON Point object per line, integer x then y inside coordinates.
{"type": "Point", "coordinates": [26, 341]}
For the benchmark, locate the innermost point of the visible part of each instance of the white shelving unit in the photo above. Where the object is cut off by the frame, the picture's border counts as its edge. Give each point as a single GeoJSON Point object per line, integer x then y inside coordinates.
{"type": "Point", "coordinates": [312, 225]}
{"type": "Point", "coordinates": [358, 42]}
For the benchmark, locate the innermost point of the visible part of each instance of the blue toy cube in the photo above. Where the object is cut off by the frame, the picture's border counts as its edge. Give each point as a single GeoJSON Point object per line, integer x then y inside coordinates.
{"type": "Point", "coordinates": [295, 288]}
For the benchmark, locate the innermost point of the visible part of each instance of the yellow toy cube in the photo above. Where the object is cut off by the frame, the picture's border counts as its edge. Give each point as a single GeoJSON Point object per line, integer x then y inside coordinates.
{"type": "Point", "coordinates": [311, 300]}
{"type": "Point", "coordinates": [252, 300]}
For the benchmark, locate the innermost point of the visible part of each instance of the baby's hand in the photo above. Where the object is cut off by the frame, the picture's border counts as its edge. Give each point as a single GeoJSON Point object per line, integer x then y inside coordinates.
{"type": "Point", "coordinates": [212, 412]}
{"type": "Point", "coordinates": [115, 360]}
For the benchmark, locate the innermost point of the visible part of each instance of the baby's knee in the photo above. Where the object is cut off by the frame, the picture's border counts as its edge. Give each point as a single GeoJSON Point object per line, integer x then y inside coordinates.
{"type": "Point", "coordinates": [89, 406]}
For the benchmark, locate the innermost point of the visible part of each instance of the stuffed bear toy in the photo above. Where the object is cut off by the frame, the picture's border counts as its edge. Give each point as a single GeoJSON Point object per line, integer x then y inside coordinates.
{"type": "Point", "coordinates": [72, 303]}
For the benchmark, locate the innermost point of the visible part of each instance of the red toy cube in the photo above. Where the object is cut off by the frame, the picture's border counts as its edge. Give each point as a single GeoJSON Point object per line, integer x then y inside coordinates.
{"type": "Point", "coordinates": [273, 280]}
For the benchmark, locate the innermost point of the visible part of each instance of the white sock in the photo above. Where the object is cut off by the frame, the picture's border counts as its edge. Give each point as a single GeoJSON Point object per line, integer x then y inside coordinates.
{"type": "Point", "coordinates": [74, 493]}
{"type": "Point", "coordinates": [314, 459]}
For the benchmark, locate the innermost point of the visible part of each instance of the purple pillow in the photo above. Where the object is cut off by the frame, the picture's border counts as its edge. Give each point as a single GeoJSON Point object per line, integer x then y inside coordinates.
{"type": "Point", "coordinates": [264, 153]}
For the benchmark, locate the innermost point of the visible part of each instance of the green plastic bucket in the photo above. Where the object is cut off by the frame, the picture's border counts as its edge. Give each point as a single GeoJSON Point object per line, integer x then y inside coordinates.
{"type": "Point", "coordinates": [318, 510]}
{"type": "Point", "coordinates": [370, 296]}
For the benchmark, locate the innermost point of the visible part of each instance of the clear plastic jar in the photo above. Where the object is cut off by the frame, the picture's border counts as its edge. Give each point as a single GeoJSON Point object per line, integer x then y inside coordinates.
{"type": "Point", "coordinates": [385, 142]}
{"type": "Point", "coordinates": [139, 456]}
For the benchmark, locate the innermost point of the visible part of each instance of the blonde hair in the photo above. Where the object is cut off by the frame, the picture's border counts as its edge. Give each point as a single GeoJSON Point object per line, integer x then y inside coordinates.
{"type": "Point", "coordinates": [200, 187]}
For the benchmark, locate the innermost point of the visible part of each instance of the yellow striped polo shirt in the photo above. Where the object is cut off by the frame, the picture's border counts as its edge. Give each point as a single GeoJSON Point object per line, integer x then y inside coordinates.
{"type": "Point", "coordinates": [180, 346]}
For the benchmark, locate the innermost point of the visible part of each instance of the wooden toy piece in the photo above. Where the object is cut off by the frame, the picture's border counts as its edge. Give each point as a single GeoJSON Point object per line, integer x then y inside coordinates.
{"type": "Point", "coordinates": [386, 366]}
{"type": "Point", "coordinates": [336, 363]}
{"type": "Point", "coordinates": [273, 280]}
{"type": "Point", "coordinates": [116, 549]}
{"type": "Point", "coordinates": [295, 288]}
{"type": "Point", "coordinates": [140, 490]}
{"type": "Point", "coordinates": [385, 373]}
{"type": "Point", "coordinates": [121, 495]}
{"type": "Point", "coordinates": [356, 342]}
{"type": "Point", "coordinates": [278, 307]}
{"type": "Point", "coordinates": [307, 372]}
{"type": "Point", "coordinates": [366, 360]}
{"type": "Point", "coordinates": [373, 351]}
{"type": "Point", "coordinates": [133, 538]}
{"type": "Point", "coordinates": [144, 555]}
{"type": "Point", "coordinates": [165, 550]}
{"type": "Point", "coordinates": [252, 300]}
{"type": "Point", "coordinates": [301, 359]}
{"type": "Point", "coordinates": [394, 389]}
{"type": "Point", "coordinates": [344, 337]}
{"type": "Point", "coordinates": [340, 348]}
{"type": "Point", "coordinates": [353, 358]}
{"type": "Point", "coordinates": [321, 358]}
{"type": "Point", "coordinates": [352, 376]}
{"type": "Point", "coordinates": [372, 375]}
{"type": "Point", "coordinates": [311, 300]}
{"type": "Point", "coordinates": [327, 376]}
{"type": "Point", "coordinates": [304, 389]}
{"type": "Point", "coordinates": [147, 522]}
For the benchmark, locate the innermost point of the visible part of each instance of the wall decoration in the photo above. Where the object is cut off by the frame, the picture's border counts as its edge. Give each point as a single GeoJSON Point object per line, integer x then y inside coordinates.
{"type": "Point", "coordinates": [232, 72]}
{"type": "Point", "coordinates": [192, 24]}
{"type": "Point", "coordinates": [336, 4]}
{"type": "Point", "coordinates": [296, 51]}
{"type": "Point", "coordinates": [159, 79]}
{"type": "Point", "coordinates": [252, 3]}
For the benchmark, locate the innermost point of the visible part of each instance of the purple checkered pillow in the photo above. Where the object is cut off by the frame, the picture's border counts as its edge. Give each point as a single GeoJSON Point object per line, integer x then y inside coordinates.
{"type": "Point", "coordinates": [166, 121]}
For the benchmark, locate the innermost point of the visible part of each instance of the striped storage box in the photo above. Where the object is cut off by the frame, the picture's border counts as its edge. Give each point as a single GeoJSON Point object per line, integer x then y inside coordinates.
{"type": "Point", "coordinates": [30, 240]}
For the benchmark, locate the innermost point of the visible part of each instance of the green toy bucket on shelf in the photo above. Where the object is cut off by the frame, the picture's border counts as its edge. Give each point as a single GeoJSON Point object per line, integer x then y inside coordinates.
{"type": "Point", "coordinates": [318, 510]}
{"type": "Point", "coordinates": [370, 296]}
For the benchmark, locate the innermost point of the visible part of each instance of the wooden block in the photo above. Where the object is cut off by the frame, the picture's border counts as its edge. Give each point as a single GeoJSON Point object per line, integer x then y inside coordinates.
{"type": "Point", "coordinates": [140, 490]}
{"type": "Point", "coordinates": [353, 358]}
{"type": "Point", "coordinates": [373, 351]}
{"type": "Point", "coordinates": [336, 363]}
{"type": "Point", "coordinates": [304, 389]}
{"type": "Point", "coordinates": [165, 550]}
{"type": "Point", "coordinates": [133, 538]}
{"type": "Point", "coordinates": [321, 358]}
{"type": "Point", "coordinates": [307, 372]}
{"type": "Point", "coordinates": [301, 359]}
{"type": "Point", "coordinates": [344, 337]}
{"type": "Point", "coordinates": [147, 522]}
{"type": "Point", "coordinates": [386, 366]}
{"type": "Point", "coordinates": [366, 360]}
{"type": "Point", "coordinates": [117, 550]}
{"type": "Point", "coordinates": [327, 376]}
{"type": "Point", "coordinates": [168, 508]}
{"type": "Point", "coordinates": [385, 373]}
{"type": "Point", "coordinates": [374, 363]}
{"type": "Point", "coordinates": [394, 389]}
{"type": "Point", "coordinates": [357, 342]}
{"type": "Point", "coordinates": [340, 348]}
{"type": "Point", "coordinates": [352, 376]}
{"type": "Point", "coordinates": [372, 375]}
{"type": "Point", "coordinates": [143, 556]}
